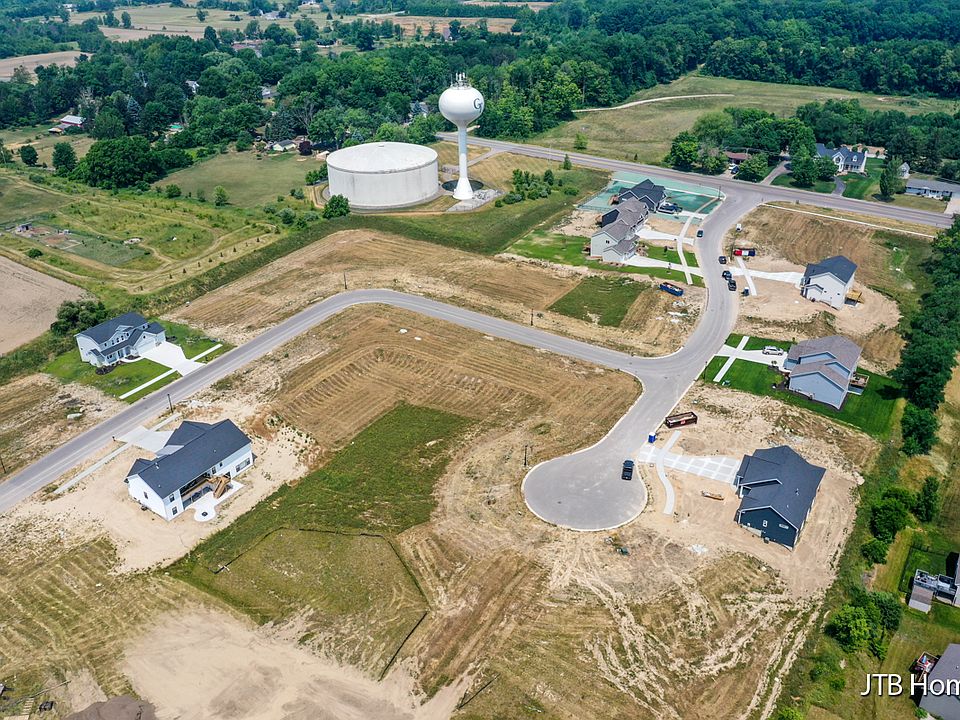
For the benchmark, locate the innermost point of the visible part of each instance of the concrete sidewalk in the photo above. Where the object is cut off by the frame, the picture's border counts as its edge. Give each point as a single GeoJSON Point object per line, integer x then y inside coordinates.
{"type": "Point", "coordinates": [719, 467]}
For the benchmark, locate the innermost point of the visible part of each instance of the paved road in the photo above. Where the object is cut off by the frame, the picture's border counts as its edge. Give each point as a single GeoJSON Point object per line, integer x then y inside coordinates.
{"type": "Point", "coordinates": [762, 193]}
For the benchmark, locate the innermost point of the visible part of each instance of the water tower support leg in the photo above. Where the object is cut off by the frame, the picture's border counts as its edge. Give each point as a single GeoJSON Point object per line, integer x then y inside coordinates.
{"type": "Point", "coordinates": [463, 190]}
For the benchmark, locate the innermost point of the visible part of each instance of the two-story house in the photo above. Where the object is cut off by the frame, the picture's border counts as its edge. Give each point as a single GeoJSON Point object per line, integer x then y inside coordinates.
{"type": "Point", "coordinates": [845, 159]}
{"type": "Point", "coordinates": [824, 369]}
{"type": "Point", "coordinates": [829, 280]}
{"type": "Point", "coordinates": [109, 342]}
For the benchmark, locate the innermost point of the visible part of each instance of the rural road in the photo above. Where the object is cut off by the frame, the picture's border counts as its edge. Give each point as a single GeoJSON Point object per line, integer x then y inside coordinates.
{"type": "Point", "coordinates": [581, 491]}
{"type": "Point", "coordinates": [759, 193]}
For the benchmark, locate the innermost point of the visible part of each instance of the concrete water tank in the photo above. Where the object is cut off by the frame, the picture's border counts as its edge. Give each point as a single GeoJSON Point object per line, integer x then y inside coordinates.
{"type": "Point", "coordinates": [382, 175]}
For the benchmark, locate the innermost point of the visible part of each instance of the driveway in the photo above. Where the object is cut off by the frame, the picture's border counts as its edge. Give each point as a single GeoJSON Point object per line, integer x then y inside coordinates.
{"type": "Point", "coordinates": [171, 356]}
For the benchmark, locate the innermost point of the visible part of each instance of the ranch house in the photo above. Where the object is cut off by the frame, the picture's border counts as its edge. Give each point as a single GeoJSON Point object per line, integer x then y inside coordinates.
{"type": "Point", "coordinates": [127, 335]}
{"type": "Point", "coordinates": [199, 458]}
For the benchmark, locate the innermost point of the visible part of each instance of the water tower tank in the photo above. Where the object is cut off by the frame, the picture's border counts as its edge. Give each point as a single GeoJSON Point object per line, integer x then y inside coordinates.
{"type": "Point", "coordinates": [461, 104]}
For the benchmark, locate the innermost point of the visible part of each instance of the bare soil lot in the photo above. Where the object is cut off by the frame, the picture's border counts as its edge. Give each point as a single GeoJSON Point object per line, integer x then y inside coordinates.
{"type": "Point", "coordinates": [29, 300]}
{"type": "Point", "coordinates": [495, 286]}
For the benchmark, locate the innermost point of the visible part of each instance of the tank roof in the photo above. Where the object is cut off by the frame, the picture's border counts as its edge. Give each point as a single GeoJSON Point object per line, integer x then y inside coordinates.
{"type": "Point", "coordinates": [381, 157]}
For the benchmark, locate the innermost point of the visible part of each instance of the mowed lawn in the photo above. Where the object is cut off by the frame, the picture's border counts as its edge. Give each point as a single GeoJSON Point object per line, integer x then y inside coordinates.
{"type": "Point", "coordinates": [604, 300]}
{"type": "Point", "coordinates": [647, 130]}
{"type": "Point", "coordinates": [872, 412]}
{"type": "Point", "coordinates": [323, 546]}
{"type": "Point", "coordinates": [247, 180]}
{"type": "Point", "coordinates": [820, 186]}
{"type": "Point", "coordinates": [568, 250]}
{"type": "Point", "coordinates": [68, 367]}
{"type": "Point", "coordinates": [491, 229]}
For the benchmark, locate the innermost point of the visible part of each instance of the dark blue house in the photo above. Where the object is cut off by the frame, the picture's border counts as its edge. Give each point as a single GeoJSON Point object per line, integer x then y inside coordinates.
{"type": "Point", "coordinates": [776, 488]}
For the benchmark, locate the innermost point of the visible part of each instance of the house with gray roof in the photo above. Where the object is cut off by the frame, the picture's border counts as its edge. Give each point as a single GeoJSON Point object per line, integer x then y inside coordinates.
{"type": "Point", "coordinates": [936, 189]}
{"type": "Point", "coordinates": [647, 192]}
{"type": "Point", "coordinates": [777, 488]}
{"type": "Point", "coordinates": [825, 369]}
{"type": "Point", "coordinates": [128, 335]}
{"type": "Point", "coordinates": [829, 280]}
{"type": "Point", "coordinates": [616, 241]}
{"type": "Point", "coordinates": [197, 459]}
{"type": "Point", "coordinates": [941, 694]}
{"type": "Point", "coordinates": [928, 586]}
{"type": "Point", "coordinates": [845, 159]}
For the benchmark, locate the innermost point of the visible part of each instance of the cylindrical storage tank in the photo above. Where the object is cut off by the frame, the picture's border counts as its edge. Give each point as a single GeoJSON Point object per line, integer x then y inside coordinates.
{"type": "Point", "coordinates": [381, 175]}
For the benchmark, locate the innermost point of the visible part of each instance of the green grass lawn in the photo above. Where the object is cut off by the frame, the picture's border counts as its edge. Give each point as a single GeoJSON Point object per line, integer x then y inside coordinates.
{"type": "Point", "coordinates": [68, 367]}
{"type": "Point", "coordinates": [19, 201]}
{"type": "Point", "coordinates": [669, 254]}
{"type": "Point", "coordinates": [247, 180]}
{"type": "Point", "coordinates": [871, 412]}
{"type": "Point", "coordinates": [491, 229]}
{"type": "Point", "coordinates": [604, 300]}
{"type": "Point", "coordinates": [755, 343]}
{"type": "Point", "coordinates": [820, 186]}
{"type": "Point", "coordinates": [864, 186]}
{"type": "Point", "coordinates": [567, 250]}
{"type": "Point", "coordinates": [647, 130]}
{"type": "Point", "coordinates": [302, 548]}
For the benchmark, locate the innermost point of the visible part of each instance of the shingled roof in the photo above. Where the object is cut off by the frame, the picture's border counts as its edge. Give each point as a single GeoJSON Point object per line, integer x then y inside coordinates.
{"type": "Point", "coordinates": [780, 479]}
{"type": "Point", "coordinates": [192, 449]}
{"type": "Point", "coordinates": [839, 266]}
{"type": "Point", "coordinates": [843, 349]}
{"type": "Point", "coordinates": [105, 330]}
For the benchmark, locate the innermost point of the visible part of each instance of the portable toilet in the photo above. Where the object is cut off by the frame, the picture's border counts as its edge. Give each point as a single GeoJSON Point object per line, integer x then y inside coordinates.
{"type": "Point", "coordinates": [652, 438]}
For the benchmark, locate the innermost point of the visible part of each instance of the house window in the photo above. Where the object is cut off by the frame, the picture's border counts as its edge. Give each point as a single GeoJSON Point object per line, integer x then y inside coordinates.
{"type": "Point", "coordinates": [242, 465]}
{"type": "Point", "coordinates": [764, 523]}
{"type": "Point", "coordinates": [171, 498]}
{"type": "Point", "coordinates": [174, 511]}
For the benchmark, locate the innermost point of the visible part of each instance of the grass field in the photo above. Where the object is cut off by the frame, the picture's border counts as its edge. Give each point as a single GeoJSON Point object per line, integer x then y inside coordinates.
{"type": "Point", "coordinates": [568, 250]}
{"type": "Point", "coordinates": [249, 181]}
{"type": "Point", "coordinates": [19, 201]}
{"type": "Point", "coordinates": [820, 186]}
{"type": "Point", "coordinates": [871, 412]}
{"type": "Point", "coordinates": [604, 300]}
{"type": "Point", "coordinates": [381, 483]}
{"type": "Point", "coordinates": [647, 130]}
{"type": "Point", "coordinates": [491, 229]}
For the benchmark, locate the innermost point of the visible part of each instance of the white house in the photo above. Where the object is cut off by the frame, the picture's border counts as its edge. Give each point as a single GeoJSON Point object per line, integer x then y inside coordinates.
{"type": "Point", "coordinates": [845, 159]}
{"type": "Point", "coordinates": [829, 280]}
{"type": "Point", "coordinates": [616, 239]}
{"type": "Point", "coordinates": [198, 458]}
{"type": "Point", "coordinates": [935, 189]}
{"type": "Point", "coordinates": [283, 145]}
{"type": "Point", "coordinates": [127, 335]}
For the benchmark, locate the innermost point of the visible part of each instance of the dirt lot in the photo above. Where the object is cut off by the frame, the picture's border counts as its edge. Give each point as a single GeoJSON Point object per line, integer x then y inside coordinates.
{"type": "Point", "coordinates": [29, 300]}
{"type": "Point", "coordinates": [786, 242]}
{"type": "Point", "coordinates": [495, 286]}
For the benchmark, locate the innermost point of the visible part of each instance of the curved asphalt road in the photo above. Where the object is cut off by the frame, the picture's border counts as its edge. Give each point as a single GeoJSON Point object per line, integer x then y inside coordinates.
{"type": "Point", "coordinates": [581, 491]}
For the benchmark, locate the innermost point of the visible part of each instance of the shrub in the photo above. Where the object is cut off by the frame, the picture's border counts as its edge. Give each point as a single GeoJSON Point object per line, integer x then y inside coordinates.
{"type": "Point", "coordinates": [927, 504]}
{"type": "Point", "coordinates": [850, 626]}
{"type": "Point", "coordinates": [875, 550]}
{"type": "Point", "coordinates": [919, 427]}
{"type": "Point", "coordinates": [887, 518]}
{"type": "Point", "coordinates": [34, 253]}
{"type": "Point", "coordinates": [172, 191]}
{"type": "Point", "coordinates": [337, 206]}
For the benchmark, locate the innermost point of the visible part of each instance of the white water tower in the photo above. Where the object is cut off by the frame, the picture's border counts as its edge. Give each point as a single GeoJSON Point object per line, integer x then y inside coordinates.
{"type": "Point", "coordinates": [461, 104]}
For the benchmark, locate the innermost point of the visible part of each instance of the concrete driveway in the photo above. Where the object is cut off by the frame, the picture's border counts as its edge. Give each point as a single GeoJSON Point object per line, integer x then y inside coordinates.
{"type": "Point", "coordinates": [171, 356]}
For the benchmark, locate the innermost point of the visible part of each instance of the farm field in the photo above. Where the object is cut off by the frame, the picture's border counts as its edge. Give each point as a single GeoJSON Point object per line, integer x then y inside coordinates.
{"type": "Point", "coordinates": [43, 141]}
{"type": "Point", "coordinates": [30, 62]}
{"type": "Point", "coordinates": [29, 300]}
{"type": "Point", "coordinates": [249, 181]}
{"type": "Point", "coordinates": [647, 130]}
{"type": "Point", "coordinates": [168, 20]}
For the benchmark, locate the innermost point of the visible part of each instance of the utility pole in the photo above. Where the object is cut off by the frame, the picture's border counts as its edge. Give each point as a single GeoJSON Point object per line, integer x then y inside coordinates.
{"type": "Point", "coordinates": [525, 448]}
{"type": "Point", "coordinates": [4, 467]}
{"type": "Point", "coordinates": [344, 280]}
{"type": "Point", "coordinates": [531, 318]}
{"type": "Point", "coordinates": [170, 402]}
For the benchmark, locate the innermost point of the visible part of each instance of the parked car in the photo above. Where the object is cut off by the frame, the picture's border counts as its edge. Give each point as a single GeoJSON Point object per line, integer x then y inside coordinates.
{"type": "Point", "coordinates": [772, 350]}
{"type": "Point", "coordinates": [735, 170]}
{"type": "Point", "coordinates": [722, 259]}
{"type": "Point", "coordinates": [727, 275]}
{"type": "Point", "coordinates": [670, 208]}
{"type": "Point", "coordinates": [699, 233]}
{"type": "Point", "coordinates": [731, 284]}
{"type": "Point", "coordinates": [627, 473]}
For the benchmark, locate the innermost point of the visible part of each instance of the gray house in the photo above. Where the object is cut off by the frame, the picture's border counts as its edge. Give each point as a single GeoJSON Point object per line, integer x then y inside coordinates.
{"type": "Point", "coordinates": [845, 159]}
{"type": "Point", "coordinates": [127, 335]}
{"type": "Point", "coordinates": [616, 239]}
{"type": "Point", "coordinates": [647, 192]}
{"type": "Point", "coordinates": [928, 587]}
{"type": "Point", "coordinates": [776, 488]}
{"type": "Point", "coordinates": [942, 698]}
{"type": "Point", "coordinates": [825, 369]}
{"type": "Point", "coordinates": [935, 189]}
{"type": "Point", "coordinates": [829, 280]}
{"type": "Point", "coordinates": [197, 459]}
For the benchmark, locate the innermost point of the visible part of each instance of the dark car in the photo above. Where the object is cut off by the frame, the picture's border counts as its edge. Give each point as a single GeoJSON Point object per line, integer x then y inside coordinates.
{"type": "Point", "coordinates": [731, 284]}
{"type": "Point", "coordinates": [722, 259]}
{"type": "Point", "coordinates": [699, 233]}
{"type": "Point", "coordinates": [627, 473]}
{"type": "Point", "coordinates": [727, 275]}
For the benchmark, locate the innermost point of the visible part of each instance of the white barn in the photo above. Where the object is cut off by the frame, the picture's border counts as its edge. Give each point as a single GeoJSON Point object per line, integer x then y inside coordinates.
{"type": "Point", "coordinates": [127, 335]}
{"type": "Point", "coordinates": [829, 280]}
{"type": "Point", "coordinates": [197, 459]}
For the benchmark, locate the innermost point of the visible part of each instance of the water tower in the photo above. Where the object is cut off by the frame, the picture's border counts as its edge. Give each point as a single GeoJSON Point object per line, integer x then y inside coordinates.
{"type": "Point", "coordinates": [461, 104]}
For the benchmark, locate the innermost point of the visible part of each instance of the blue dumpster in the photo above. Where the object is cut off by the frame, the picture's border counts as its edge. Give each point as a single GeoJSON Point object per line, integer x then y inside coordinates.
{"type": "Point", "coordinates": [652, 437]}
